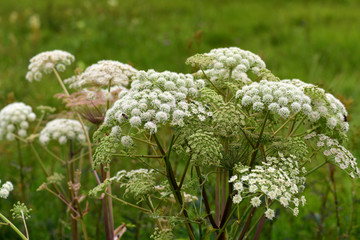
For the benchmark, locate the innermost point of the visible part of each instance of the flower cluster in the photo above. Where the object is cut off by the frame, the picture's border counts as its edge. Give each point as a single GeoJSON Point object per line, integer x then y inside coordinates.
{"type": "Point", "coordinates": [62, 130]}
{"type": "Point", "coordinates": [15, 117]}
{"type": "Point", "coordinates": [5, 189]}
{"type": "Point", "coordinates": [205, 148]}
{"type": "Point", "coordinates": [325, 106]}
{"type": "Point", "coordinates": [157, 98]}
{"type": "Point", "coordinates": [281, 98]}
{"type": "Point", "coordinates": [20, 211]}
{"type": "Point", "coordinates": [339, 155]}
{"type": "Point", "coordinates": [278, 179]}
{"type": "Point", "coordinates": [45, 62]}
{"type": "Point", "coordinates": [228, 62]}
{"type": "Point", "coordinates": [103, 73]}
{"type": "Point", "coordinates": [137, 182]}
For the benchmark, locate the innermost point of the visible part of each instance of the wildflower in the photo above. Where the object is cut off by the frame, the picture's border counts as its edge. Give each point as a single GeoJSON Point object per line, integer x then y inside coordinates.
{"type": "Point", "coordinates": [237, 199]}
{"type": "Point", "coordinates": [270, 214]}
{"type": "Point", "coordinates": [255, 201]}
{"type": "Point", "coordinates": [45, 62]}
{"type": "Point", "coordinates": [15, 116]}
{"type": "Point", "coordinates": [127, 141]}
{"type": "Point", "coordinates": [62, 130]}
{"type": "Point", "coordinates": [103, 73]}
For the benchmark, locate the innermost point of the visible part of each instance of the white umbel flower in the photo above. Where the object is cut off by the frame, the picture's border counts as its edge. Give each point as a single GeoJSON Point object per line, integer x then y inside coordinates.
{"type": "Point", "coordinates": [62, 130]}
{"type": "Point", "coordinates": [45, 62]}
{"type": "Point", "coordinates": [5, 189]}
{"type": "Point", "coordinates": [14, 119]}
{"type": "Point", "coordinates": [103, 73]}
{"type": "Point", "coordinates": [157, 98]}
{"type": "Point", "coordinates": [234, 61]}
{"type": "Point", "coordinates": [270, 214]}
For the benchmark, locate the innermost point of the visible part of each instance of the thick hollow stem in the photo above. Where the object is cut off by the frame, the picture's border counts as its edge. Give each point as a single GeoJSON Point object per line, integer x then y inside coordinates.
{"type": "Point", "coordinates": [173, 184]}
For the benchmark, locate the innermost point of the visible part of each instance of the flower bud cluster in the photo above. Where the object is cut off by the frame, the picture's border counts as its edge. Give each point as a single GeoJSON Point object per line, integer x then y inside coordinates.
{"type": "Point", "coordinates": [137, 182]}
{"type": "Point", "coordinates": [103, 73]}
{"type": "Point", "coordinates": [45, 62]}
{"type": "Point", "coordinates": [205, 148]}
{"type": "Point", "coordinates": [281, 98]}
{"type": "Point", "coordinates": [234, 61]}
{"type": "Point", "coordinates": [335, 152]}
{"type": "Point", "coordinates": [5, 189]}
{"type": "Point", "coordinates": [157, 98]}
{"type": "Point", "coordinates": [14, 119]}
{"type": "Point", "coordinates": [62, 130]}
{"type": "Point", "coordinates": [279, 179]}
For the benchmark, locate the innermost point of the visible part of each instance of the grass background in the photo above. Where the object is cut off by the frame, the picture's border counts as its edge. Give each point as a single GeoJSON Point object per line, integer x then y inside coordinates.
{"type": "Point", "coordinates": [315, 41]}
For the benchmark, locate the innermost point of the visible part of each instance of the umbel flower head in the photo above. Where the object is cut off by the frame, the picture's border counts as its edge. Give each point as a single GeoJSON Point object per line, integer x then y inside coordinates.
{"type": "Point", "coordinates": [5, 189]}
{"type": "Point", "coordinates": [62, 130]}
{"type": "Point", "coordinates": [155, 99]}
{"type": "Point", "coordinates": [102, 74]}
{"type": "Point", "coordinates": [14, 119]}
{"type": "Point", "coordinates": [279, 179]}
{"type": "Point", "coordinates": [20, 210]}
{"type": "Point", "coordinates": [45, 62]}
{"type": "Point", "coordinates": [222, 63]}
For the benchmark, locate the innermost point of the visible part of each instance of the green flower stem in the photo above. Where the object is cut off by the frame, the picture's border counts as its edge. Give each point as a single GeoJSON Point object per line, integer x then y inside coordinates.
{"type": "Point", "coordinates": [82, 125]}
{"type": "Point", "coordinates": [205, 198]}
{"type": "Point", "coordinates": [22, 176]}
{"type": "Point", "coordinates": [24, 221]}
{"type": "Point", "coordinates": [259, 140]}
{"type": "Point", "coordinates": [254, 225]}
{"type": "Point", "coordinates": [43, 168]}
{"type": "Point", "coordinates": [144, 141]}
{"type": "Point", "coordinates": [139, 156]}
{"type": "Point", "coordinates": [127, 203]}
{"type": "Point", "coordinates": [13, 227]}
{"type": "Point", "coordinates": [108, 175]}
{"type": "Point", "coordinates": [53, 154]}
{"type": "Point", "coordinates": [240, 220]}
{"type": "Point", "coordinates": [39, 160]}
{"type": "Point", "coordinates": [247, 223]}
{"type": "Point", "coordinates": [282, 126]}
{"type": "Point", "coordinates": [225, 224]}
{"type": "Point", "coordinates": [212, 84]}
{"type": "Point", "coordinates": [217, 195]}
{"type": "Point", "coordinates": [39, 122]}
{"type": "Point", "coordinates": [297, 126]}
{"type": "Point", "coordinates": [151, 206]}
{"type": "Point", "coordinates": [173, 184]}
{"type": "Point", "coordinates": [184, 173]}
{"type": "Point", "coordinates": [315, 168]}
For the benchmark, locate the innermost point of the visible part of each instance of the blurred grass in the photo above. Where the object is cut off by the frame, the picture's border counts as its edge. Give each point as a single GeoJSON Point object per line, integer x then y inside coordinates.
{"type": "Point", "coordinates": [315, 41]}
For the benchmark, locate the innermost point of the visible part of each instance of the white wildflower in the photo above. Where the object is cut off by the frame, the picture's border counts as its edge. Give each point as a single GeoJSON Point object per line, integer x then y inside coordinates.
{"type": "Point", "coordinates": [62, 130]}
{"type": "Point", "coordinates": [45, 62]}
{"type": "Point", "coordinates": [102, 74]}
{"type": "Point", "coordinates": [15, 116]}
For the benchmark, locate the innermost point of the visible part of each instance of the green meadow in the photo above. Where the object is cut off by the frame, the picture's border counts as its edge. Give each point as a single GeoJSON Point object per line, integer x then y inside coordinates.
{"type": "Point", "coordinates": [315, 41]}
